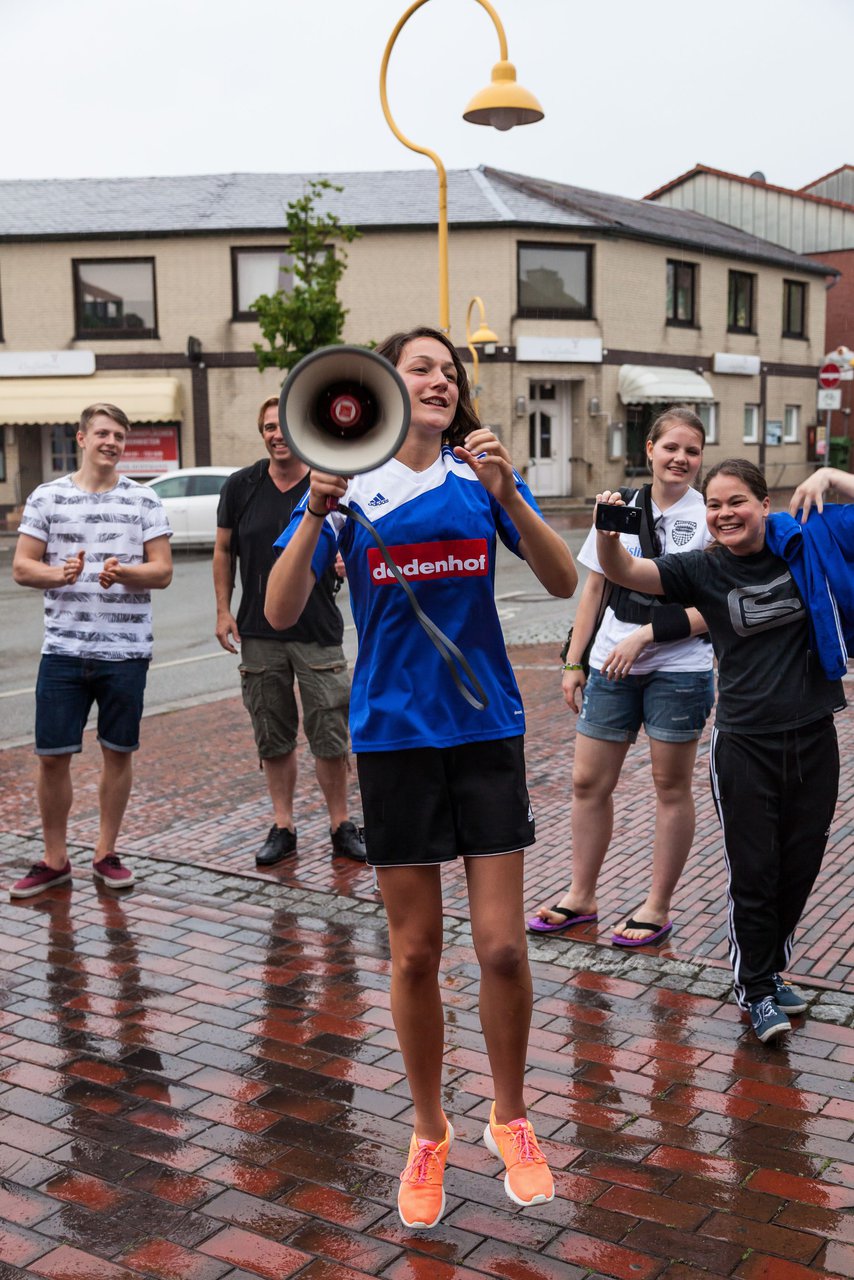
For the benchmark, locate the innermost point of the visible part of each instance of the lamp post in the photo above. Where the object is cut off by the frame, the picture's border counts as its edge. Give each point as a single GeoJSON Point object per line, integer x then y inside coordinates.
{"type": "Point", "coordinates": [483, 333]}
{"type": "Point", "coordinates": [503, 104]}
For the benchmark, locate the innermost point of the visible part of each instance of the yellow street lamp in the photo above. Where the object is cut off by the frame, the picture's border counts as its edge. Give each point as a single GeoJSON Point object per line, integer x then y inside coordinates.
{"type": "Point", "coordinates": [482, 333]}
{"type": "Point", "coordinates": [503, 104]}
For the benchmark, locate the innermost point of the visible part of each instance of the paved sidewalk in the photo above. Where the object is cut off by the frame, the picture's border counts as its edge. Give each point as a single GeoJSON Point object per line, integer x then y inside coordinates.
{"type": "Point", "coordinates": [199, 1079]}
{"type": "Point", "coordinates": [200, 799]}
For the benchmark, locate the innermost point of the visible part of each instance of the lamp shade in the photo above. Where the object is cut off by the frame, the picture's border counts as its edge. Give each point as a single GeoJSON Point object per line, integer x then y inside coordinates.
{"type": "Point", "coordinates": [483, 333]}
{"type": "Point", "coordinates": [504, 103]}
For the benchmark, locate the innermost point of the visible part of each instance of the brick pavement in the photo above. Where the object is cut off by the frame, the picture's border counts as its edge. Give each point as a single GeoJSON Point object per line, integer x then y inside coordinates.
{"type": "Point", "coordinates": [199, 1080]}
{"type": "Point", "coordinates": [200, 799]}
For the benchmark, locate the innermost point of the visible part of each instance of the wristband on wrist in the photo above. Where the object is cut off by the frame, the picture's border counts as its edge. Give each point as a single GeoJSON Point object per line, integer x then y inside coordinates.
{"type": "Point", "coordinates": [318, 515]}
{"type": "Point", "coordinates": [669, 622]}
{"type": "Point", "coordinates": [573, 666]}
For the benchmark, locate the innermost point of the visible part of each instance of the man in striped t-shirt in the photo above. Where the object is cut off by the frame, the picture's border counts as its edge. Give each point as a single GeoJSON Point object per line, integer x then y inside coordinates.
{"type": "Point", "coordinates": [96, 544]}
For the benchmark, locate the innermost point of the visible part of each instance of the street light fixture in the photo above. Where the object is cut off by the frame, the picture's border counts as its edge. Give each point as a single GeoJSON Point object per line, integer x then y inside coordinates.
{"type": "Point", "coordinates": [503, 104]}
{"type": "Point", "coordinates": [484, 334]}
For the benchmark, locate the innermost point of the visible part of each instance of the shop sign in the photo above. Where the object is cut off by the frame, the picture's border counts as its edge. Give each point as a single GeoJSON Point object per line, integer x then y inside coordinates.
{"type": "Point", "coordinates": [556, 350]}
{"type": "Point", "coordinates": [47, 364]}
{"type": "Point", "coordinates": [729, 362]}
{"type": "Point", "coordinates": [150, 451]}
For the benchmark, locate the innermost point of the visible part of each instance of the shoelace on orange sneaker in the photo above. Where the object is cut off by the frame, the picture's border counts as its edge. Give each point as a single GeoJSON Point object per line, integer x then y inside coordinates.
{"type": "Point", "coordinates": [418, 1168]}
{"type": "Point", "coordinates": [525, 1144]}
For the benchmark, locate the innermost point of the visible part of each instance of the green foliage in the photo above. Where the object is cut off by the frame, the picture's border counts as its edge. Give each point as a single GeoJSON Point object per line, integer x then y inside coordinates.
{"type": "Point", "coordinates": [309, 315]}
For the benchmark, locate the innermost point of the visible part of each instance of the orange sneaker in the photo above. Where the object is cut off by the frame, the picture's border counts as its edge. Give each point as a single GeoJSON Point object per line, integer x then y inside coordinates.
{"type": "Point", "coordinates": [421, 1198]}
{"type": "Point", "coordinates": [528, 1179]}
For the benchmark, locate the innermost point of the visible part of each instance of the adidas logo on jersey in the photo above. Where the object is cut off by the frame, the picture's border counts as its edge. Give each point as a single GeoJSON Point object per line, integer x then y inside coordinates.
{"type": "Point", "coordinates": [378, 501]}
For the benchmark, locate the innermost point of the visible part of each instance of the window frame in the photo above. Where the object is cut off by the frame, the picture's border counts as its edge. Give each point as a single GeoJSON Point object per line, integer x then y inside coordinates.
{"type": "Point", "coordinates": [753, 438]}
{"type": "Point", "coordinates": [799, 335]}
{"type": "Point", "coordinates": [112, 335]}
{"type": "Point", "coordinates": [236, 250]}
{"type": "Point", "coordinates": [555, 313]}
{"type": "Point", "coordinates": [791, 411]}
{"type": "Point", "coordinates": [676, 265]}
{"type": "Point", "coordinates": [712, 435]}
{"type": "Point", "coordinates": [750, 327]}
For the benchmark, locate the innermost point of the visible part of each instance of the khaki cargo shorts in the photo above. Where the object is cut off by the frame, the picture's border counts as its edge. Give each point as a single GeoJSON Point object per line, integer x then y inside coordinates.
{"type": "Point", "coordinates": [267, 672]}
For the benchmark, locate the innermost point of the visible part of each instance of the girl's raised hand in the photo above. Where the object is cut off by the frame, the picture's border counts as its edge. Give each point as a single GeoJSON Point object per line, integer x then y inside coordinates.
{"type": "Point", "coordinates": [490, 462]}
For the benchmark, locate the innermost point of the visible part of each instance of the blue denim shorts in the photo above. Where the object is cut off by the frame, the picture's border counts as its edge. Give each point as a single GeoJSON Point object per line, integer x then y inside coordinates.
{"type": "Point", "coordinates": [673, 706]}
{"type": "Point", "coordinates": [65, 691]}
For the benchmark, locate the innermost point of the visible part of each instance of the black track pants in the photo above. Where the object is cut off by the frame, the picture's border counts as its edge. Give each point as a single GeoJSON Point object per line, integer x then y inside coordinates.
{"type": "Point", "coordinates": [775, 795]}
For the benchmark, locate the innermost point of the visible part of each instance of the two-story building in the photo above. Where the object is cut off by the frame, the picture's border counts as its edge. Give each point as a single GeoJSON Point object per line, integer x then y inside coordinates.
{"type": "Point", "coordinates": [140, 291]}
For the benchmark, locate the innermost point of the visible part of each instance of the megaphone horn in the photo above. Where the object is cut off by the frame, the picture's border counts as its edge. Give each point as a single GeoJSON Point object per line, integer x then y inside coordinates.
{"type": "Point", "coordinates": [344, 410]}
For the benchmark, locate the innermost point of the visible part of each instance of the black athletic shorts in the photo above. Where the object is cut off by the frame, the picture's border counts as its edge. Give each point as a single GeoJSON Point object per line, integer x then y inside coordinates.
{"type": "Point", "coordinates": [434, 804]}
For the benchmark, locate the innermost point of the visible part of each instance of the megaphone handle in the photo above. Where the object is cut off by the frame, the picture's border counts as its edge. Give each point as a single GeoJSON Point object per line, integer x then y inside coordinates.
{"type": "Point", "coordinates": [443, 643]}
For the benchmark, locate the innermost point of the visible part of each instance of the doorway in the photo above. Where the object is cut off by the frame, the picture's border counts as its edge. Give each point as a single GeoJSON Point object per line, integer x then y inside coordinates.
{"type": "Point", "coordinates": [549, 439]}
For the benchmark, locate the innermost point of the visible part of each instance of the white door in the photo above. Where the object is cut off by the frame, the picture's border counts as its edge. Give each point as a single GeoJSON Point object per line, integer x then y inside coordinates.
{"type": "Point", "coordinates": [548, 439]}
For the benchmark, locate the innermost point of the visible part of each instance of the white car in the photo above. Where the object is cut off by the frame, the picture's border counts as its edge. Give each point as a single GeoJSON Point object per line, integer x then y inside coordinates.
{"type": "Point", "coordinates": [190, 498]}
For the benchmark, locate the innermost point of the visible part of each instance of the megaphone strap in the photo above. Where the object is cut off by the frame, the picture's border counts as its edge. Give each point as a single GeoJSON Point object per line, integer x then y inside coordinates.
{"type": "Point", "coordinates": [449, 651]}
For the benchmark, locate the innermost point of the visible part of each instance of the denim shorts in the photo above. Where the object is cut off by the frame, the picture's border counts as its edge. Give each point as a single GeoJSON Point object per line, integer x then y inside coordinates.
{"type": "Point", "coordinates": [65, 691]}
{"type": "Point", "coordinates": [673, 706]}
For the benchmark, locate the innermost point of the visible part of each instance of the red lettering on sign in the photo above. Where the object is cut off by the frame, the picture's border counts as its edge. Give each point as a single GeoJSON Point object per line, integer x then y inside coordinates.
{"type": "Point", "coordinates": [426, 561]}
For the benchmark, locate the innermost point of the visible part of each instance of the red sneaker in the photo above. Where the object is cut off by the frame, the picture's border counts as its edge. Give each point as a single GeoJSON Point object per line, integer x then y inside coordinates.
{"type": "Point", "coordinates": [39, 877]}
{"type": "Point", "coordinates": [110, 871]}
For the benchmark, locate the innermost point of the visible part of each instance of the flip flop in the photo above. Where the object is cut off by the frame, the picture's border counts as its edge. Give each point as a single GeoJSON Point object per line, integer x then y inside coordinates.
{"type": "Point", "coordinates": [536, 925]}
{"type": "Point", "coordinates": [659, 933]}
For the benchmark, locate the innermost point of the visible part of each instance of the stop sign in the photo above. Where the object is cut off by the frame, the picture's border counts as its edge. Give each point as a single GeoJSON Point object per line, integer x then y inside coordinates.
{"type": "Point", "coordinates": [829, 376]}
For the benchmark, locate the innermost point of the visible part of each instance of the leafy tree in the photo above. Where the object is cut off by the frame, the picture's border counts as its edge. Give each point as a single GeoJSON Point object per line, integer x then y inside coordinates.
{"type": "Point", "coordinates": [309, 315]}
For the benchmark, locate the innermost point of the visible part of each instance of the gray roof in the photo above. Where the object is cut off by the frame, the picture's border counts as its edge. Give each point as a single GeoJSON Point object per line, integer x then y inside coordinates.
{"type": "Point", "coordinates": [60, 208]}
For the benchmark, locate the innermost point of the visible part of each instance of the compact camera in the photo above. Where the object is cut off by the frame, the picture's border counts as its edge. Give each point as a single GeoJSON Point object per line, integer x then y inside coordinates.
{"type": "Point", "coordinates": [616, 519]}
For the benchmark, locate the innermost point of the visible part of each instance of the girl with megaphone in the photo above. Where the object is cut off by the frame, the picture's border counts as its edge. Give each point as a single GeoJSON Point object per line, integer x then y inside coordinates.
{"type": "Point", "coordinates": [441, 776]}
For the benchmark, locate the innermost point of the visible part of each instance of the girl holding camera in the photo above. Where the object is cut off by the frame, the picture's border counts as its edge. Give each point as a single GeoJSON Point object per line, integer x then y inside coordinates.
{"type": "Point", "coordinates": [779, 603]}
{"type": "Point", "coordinates": [648, 666]}
{"type": "Point", "coordinates": [439, 778]}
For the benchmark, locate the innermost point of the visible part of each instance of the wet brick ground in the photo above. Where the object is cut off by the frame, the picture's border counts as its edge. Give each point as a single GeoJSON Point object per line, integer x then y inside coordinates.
{"type": "Point", "coordinates": [199, 1079]}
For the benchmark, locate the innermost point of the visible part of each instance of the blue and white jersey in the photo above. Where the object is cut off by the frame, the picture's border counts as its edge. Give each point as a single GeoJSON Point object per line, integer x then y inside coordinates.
{"type": "Point", "coordinates": [440, 527]}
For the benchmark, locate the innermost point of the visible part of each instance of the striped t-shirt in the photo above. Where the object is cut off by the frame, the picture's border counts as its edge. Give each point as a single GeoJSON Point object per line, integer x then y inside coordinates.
{"type": "Point", "coordinates": [82, 619]}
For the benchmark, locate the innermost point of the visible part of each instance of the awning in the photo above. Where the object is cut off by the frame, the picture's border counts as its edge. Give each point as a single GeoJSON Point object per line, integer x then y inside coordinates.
{"type": "Point", "coordinates": [53, 400]}
{"type": "Point", "coordinates": [647, 384]}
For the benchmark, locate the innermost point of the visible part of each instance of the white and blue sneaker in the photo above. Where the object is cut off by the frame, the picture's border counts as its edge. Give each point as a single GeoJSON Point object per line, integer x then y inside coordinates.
{"type": "Point", "coordinates": [787, 997]}
{"type": "Point", "coordinates": [767, 1020]}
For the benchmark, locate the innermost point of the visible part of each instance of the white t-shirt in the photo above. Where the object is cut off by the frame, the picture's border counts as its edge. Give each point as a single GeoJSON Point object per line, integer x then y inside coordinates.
{"type": "Point", "coordinates": [681, 527]}
{"type": "Point", "coordinates": [81, 619]}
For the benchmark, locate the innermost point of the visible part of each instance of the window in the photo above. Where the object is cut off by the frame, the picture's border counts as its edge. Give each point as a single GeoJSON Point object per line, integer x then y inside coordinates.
{"type": "Point", "coordinates": [172, 487]}
{"type": "Point", "coordinates": [707, 412]}
{"type": "Point", "coordinates": [257, 271]}
{"type": "Point", "coordinates": [681, 293]}
{"type": "Point", "coordinates": [742, 288]}
{"type": "Point", "coordinates": [791, 423]}
{"type": "Point", "coordinates": [751, 424]}
{"type": "Point", "coordinates": [114, 298]}
{"type": "Point", "coordinates": [794, 309]}
{"type": "Point", "coordinates": [207, 486]}
{"type": "Point", "coordinates": [773, 431]}
{"type": "Point", "coordinates": [555, 281]}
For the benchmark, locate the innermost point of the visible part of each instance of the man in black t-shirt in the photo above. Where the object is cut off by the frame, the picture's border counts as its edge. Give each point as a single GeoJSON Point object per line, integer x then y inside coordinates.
{"type": "Point", "coordinates": [254, 507]}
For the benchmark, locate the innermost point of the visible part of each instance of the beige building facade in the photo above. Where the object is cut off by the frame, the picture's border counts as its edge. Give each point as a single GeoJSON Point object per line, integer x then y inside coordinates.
{"type": "Point", "coordinates": [140, 291]}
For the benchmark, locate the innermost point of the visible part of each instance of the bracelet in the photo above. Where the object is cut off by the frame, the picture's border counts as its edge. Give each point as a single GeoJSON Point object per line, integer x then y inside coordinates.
{"type": "Point", "coordinates": [318, 515]}
{"type": "Point", "coordinates": [573, 666]}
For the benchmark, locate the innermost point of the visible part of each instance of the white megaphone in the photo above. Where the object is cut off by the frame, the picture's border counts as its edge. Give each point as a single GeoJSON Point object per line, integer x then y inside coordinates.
{"type": "Point", "coordinates": [344, 410]}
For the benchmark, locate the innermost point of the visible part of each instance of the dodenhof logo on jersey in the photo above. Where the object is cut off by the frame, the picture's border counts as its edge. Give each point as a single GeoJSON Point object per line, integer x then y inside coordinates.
{"type": "Point", "coordinates": [683, 531]}
{"type": "Point", "coordinates": [426, 561]}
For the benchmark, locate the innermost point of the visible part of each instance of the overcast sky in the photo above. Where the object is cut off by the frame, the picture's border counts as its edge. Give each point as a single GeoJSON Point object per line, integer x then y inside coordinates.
{"type": "Point", "coordinates": [634, 91]}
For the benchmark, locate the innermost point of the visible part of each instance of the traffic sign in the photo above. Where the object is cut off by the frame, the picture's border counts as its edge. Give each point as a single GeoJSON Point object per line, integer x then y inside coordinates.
{"type": "Point", "coordinates": [830, 398]}
{"type": "Point", "coordinates": [829, 376]}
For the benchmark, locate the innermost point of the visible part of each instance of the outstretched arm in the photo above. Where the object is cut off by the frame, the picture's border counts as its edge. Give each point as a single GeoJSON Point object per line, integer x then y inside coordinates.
{"type": "Point", "coordinates": [617, 564]}
{"type": "Point", "coordinates": [813, 489]}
